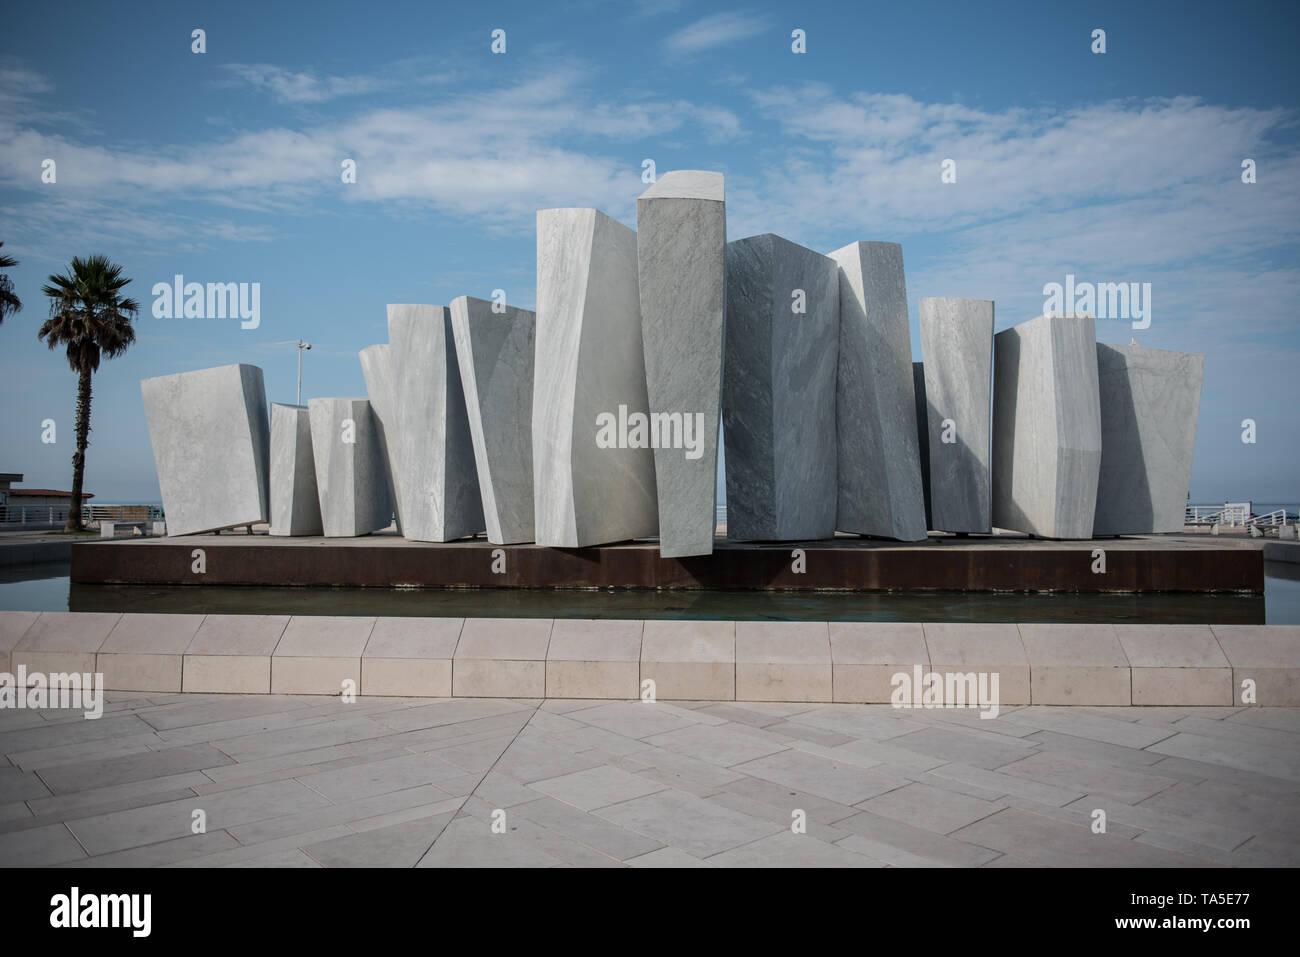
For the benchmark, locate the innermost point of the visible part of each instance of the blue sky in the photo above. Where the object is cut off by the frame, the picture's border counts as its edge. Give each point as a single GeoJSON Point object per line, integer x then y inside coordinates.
{"type": "Point", "coordinates": [224, 167]}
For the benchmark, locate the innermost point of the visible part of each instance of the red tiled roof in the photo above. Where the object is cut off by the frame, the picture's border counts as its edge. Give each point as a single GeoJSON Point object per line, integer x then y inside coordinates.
{"type": "Point", "coordinates": [46, 493]}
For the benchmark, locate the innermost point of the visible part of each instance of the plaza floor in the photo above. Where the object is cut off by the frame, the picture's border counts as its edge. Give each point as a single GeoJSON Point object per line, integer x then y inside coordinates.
{"type": "Point", "coordinates": [306, 781]}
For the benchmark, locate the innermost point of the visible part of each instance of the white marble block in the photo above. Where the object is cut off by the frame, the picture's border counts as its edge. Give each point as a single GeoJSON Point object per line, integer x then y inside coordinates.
{"type": "Point", "coordinates": [1150, 400]}
{"type": "Point", "coordinates": [957, 342]}
{"type": "Point", "coordinates": [778, 390]}
{"type": "Point", "coordinates": [436, 476]}
{"type": "Point", "coordinates": [350, 481]}
{"type": "Point", "coordinates": [211, 446]}
{"type": "Point", "coordinates": [1046, 427]}
{"type": "Point", "coordinates": [682, 269]}
{"type": "Point", "coordinates": [879, 482]}
{"type": "Point", "coordinates": [494, 350]}
{"type": "Point", "coordinates": [593, 470]}
{"type": "Point", "coordinates": [376, 367]}
{"type": "Point", "coordinates": [295, 506]}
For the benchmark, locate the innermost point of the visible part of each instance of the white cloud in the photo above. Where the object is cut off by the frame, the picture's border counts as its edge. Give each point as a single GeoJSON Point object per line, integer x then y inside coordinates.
{"type": "Point", "coordinates": [498, 155]}
{"type": "Point", "coordinates": [716, 30]}
{"type": "Point", "coordinates": [290, 87]}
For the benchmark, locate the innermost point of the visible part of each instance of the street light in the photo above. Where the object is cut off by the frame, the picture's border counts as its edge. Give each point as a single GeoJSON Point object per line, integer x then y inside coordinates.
{"type": "Point", "coordinates": [301, 346]}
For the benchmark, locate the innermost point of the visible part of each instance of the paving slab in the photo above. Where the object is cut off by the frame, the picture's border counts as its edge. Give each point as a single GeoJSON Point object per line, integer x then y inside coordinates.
{"type": "Point", "coordinates": [1269, 656]}
{"type": "Point", "coordinates": [62, 642]}
{"type": "Point", "coordinates": [690, 660]}
{"type": "Point", "coordinates": [688, 823]}
{"type": "Point", "coordinates": [232, 654]}
{"type": "Point", "coordinates": [988, 647]}
{"type": "Point", "coordinates": [783, 661]}
{"type": "Point", "coordinates": [594, 659]}
{"type": "Point", "coordinates": [865, 656]}
{"type": "Point", "coordinates": [501, 658]}
{"type": "Point", "coordinates": [1077, 664]}
{"type": "Point", "coordinates": [410, 657]}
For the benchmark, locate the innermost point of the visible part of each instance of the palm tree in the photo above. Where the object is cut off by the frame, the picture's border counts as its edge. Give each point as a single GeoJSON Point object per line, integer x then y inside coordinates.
{"type": "Point", "coordinates": [9, 303]}
{"type": "Point", "coordinates": [88, 315]}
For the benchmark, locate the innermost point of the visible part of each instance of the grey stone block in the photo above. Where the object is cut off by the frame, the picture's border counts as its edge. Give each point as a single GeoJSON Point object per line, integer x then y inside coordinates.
{"type": "Point", "coordinates": [350, 481]}
{"type": "Point", "coordinates": [494, 351]}
{"type": "Point", "coordinates": [590, 368]}
{"type": "Point", "coordinates": [378, 372]}
{"type": "Point", "coordinates": [778, 390]}
{"type": "Point", "coordinates": [879, 483]}
{"type": "Point", "coordinates": [922, 436]}
{"type": "Point", "coordinates": [1150, 400]}
{"type": "Point", "coordinates": [432, 446]}
{"type": "Point", "coordinates": [681, 264]}
{"type": "Point", "coordinates": [1046, 427]}
{"type": "Point", "coordinates": [957, 342]}
{"type": "Point", "coordinates": [211, 446]}
{"type": "Point", "coordinates": [295, 506]}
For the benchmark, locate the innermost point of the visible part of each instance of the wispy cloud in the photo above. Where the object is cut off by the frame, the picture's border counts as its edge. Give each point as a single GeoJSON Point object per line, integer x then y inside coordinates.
{"type": "Point", "coordinates": [715, 30]}
{"type": "Point", "coordinates": [498, 155]}
{"type": "Point", "coordinates": [289, 87]}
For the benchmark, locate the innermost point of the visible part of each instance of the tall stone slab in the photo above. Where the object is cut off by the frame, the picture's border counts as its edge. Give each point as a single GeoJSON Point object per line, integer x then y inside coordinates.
{"type": "Point", "coordinates": [681, 266]}
{"type": "Point", "coordinates": [494, 351]}
{"type": "Point", "coordinates": [593, 468]}
{"type": "Point", "coordinates": [1150, 400]}
{"type": "Point", "coordinates": [432, 447]}
{"type": "Point", "coordinates": [377, 369]}
{"type": "Point", "coordinates": [922, 437]}
{"type": "Point", "coordinates": [1046, 427]}
{"type": "Point", "coordinates": [211, 446]}
{"type": "Point", "coordinates": [778, 390]}
{"type": "Point", "coordinates": [957, 342]}
{"type": "Point", "coordinates": [295, 506]}
{"type": "Point", "coordinates": [879, 484]}
{"type": "Point", "coordinates": [350, 469]}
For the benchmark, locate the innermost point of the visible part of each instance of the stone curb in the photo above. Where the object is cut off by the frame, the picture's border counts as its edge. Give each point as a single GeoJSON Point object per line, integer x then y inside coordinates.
{"type": "Point", "coordinates": [851, 662]}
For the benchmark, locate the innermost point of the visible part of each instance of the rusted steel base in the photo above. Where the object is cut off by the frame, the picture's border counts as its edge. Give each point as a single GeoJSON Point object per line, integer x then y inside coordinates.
{"type": "Point", "coordinates": [841, 564]}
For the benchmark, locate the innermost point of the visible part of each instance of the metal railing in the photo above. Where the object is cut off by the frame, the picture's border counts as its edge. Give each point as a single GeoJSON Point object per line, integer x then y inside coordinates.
{"type": "Point", "coordinates": [1203, 515]}
{"type": "Point", "coordinates": [32, 515]}
{"type": "Point", "coordinates": [1273, 518]}
{"type": "Point", "coordinates": [94, 514]}
{"type": "Point", "coordinates": [1234, 516]}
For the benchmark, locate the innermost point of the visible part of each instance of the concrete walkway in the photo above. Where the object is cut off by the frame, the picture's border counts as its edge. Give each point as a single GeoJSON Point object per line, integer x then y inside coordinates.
{"type": "Point", "coordinates": [306, 781]}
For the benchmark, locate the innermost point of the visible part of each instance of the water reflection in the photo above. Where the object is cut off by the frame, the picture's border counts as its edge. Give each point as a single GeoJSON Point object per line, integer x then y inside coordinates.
{"type": "Point", "coordinates": [46, 588]}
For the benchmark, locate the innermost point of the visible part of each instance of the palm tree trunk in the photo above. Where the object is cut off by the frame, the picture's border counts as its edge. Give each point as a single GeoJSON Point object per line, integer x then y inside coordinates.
{"type": "Point", "coordinates": [79, 457]}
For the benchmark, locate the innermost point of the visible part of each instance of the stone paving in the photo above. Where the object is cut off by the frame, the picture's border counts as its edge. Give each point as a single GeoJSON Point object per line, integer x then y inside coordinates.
{"type": "Point", "coordinates": [308, 781]}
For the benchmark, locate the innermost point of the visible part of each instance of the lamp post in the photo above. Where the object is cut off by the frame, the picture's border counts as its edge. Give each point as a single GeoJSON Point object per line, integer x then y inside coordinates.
{"type": "Point", "coordinates": [301, 346]}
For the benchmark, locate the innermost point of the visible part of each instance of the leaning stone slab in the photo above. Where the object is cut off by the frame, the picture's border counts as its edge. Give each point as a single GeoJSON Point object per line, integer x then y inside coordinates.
{"type": "Point", "coordinates": [1046, 427]}
{"type": "Point", "coordinates": [778, 390]}
{"type": "Point", "coordinates": [376, 367]}
{"type": "Point", "coordinates": [494, 351]}
{"type": "Point", "coordinates": [211, 446]}
{"type": "Point", "coordinates": [295, 505]}
{"type": "Point", "coordinates": [1150, 400]}
{"type": "Point", "coordinates": [593, 468]}
{"type": "Point", "coordinates": [350, 482]}
{"type": "Point", "coordinates": [957, 342]}
{"type": "Point", "coordinates": [432, 446]}
{"type": "Point", "coordinates": [681, 265]}
{"type": "Point", "coordinates": [879, 485]}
